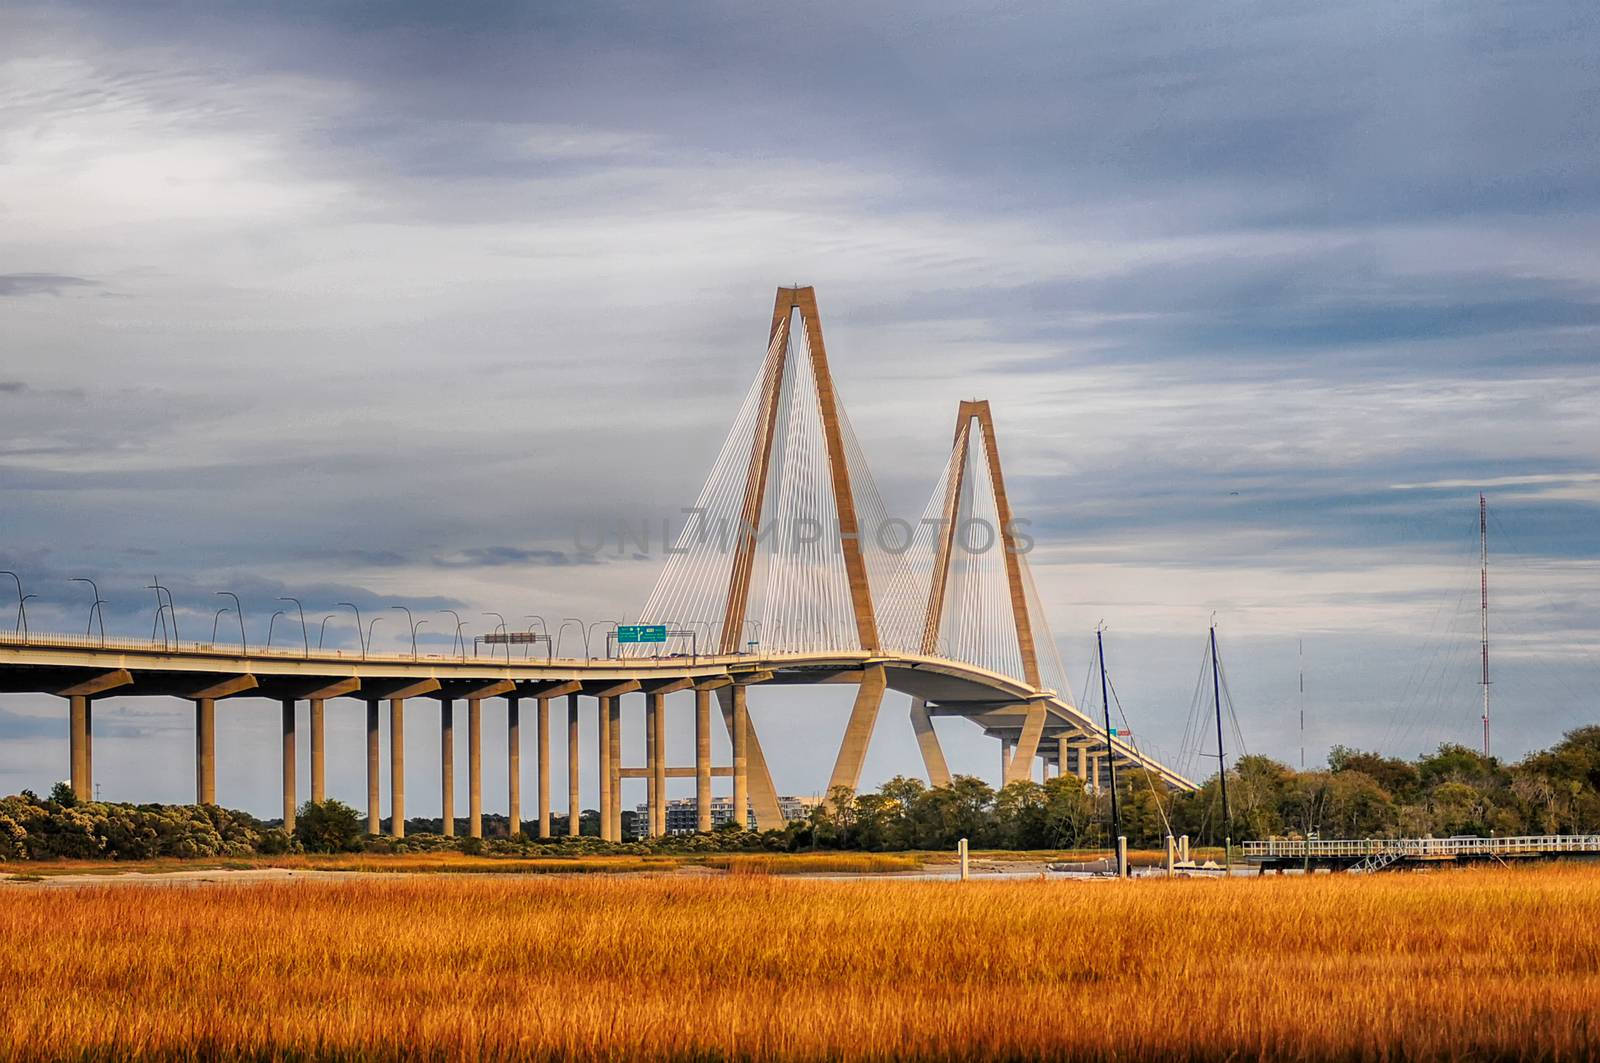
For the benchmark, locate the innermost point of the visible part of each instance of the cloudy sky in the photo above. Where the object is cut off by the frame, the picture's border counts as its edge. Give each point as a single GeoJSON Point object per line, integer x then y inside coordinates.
{"type": "Point", "coordinates": [380, 302]}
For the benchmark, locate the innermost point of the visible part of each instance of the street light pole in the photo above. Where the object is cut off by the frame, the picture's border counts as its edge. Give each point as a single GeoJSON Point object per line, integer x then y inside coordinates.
{"type": "Point", "coordinates": [244, 645]}
{"type": "Point", "coordinates": [370, 625]}
{"type": "Point", "coordinates": [323, 630]}
{"type": "Point", "coordinates": [461, 644]}
{"type": "Point", "coordinates": [215, 621]}
{"type": "Point", "coordinates": [360, 638]}
{"type": "Point", "coordinates": [270, 624]}
{"type": "Point", "coordinates": [20, 599]}
{"type": "Point", "coordinates": [305, 636]}
{"type": "Point", "coordinates": [502, 630]}
{"type": "Point", "coordinates": [93, 609]}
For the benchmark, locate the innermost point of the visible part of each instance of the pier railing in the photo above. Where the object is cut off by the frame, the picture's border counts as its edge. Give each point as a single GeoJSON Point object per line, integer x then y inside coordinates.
{"type": "Point", "coordinates": [1420, 848]}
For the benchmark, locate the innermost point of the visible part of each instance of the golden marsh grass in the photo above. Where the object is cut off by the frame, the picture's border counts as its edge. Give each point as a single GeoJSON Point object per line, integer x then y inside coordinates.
{"type": "Point", "coordinates": [1502, 964]}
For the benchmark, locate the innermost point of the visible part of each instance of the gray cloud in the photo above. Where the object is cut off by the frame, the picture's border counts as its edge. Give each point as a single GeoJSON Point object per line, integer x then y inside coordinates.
{"type": "Point", "coordinates": [40, 283]}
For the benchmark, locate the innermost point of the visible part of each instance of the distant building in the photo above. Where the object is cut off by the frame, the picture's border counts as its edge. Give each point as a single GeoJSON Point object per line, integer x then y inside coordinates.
{"type": "Point", "coordinates": [683, 813]}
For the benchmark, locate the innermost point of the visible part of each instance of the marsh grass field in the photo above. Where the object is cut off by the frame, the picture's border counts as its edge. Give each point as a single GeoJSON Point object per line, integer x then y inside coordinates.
{"type": "Point", "coordinates": [1501, 964]}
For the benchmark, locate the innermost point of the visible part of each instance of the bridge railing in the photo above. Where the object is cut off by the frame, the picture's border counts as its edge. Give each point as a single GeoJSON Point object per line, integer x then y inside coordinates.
{"type": "Point", "coordinates": [1421, 848]}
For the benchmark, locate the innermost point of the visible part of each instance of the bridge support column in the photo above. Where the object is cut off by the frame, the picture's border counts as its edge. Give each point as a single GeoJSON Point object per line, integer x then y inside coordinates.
{"type": "Point", "coordinates": [928, 742]}
{"type": "Point", "coordinates": [514, 763]}
{"type": "Point", "coordinates": [574, 809]}
{"type": "Point", "coordinates": [205, 751]}
{"type": "Point", "coordinates": [858, 732]}
{"type": "Point", "coordinates": [474, 767]}
{"type": "Point", "coordinates": [77, 745]}
{"type": "Point", "coordinates": [1081, 770]}
{"type": "Point", "coordinates": [602, 720]}
{"type": "Point", "coordinates": [741, 757]}
{"type": "Point", "coordinates": [319, 773]}
{"type": "Point", "coordinates": [655, 743]}
{"type": "Point", "coordinates": [288, 764]}
{"type": "Point", "coordinates": [88, 749]}
{"type": "Point", "coordinates": [1020, 767]}
{"type": "Point", "coordinates": [1005, 761]}
{"type": "Point", "coordinates": [702, 760]}
{"type": "Point", "coordinates": [447, 767]}
{"type": "Point", "coordinates": [397, 767]}
{"type": "Point", "coordinates": [1062, 752]}
{"type": "Point", "coordinates": [541, 727]}
{"type": "Point", "coordinates": [762, 793]}
{"type": "Point", "coordinates": [374, 816]}
{"type": "Point", "coordinates": [614, 768]}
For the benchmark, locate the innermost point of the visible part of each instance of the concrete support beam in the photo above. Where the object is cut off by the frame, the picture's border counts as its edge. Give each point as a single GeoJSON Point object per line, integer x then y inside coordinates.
{"type": "Point", "coordinates": [288, 764]}
{"type": "Point", "coordinates": [78, 751]}
{"type": "Point", "coordinates": [614, 769]}
{"type": "Point", "coordinates": [763, 794]}
{"type": "Point", "coordinates": [541, 729]}
{"type": "Point", "coordinates": [397, 767]}
{"type": "Point", "coordinates": [702, 760]}
{"type": "Point", "coordinates": [858, 731]}
{"type": "Point", "coordinates": [1020, 769]}
{"type": "Point", "coordinates": [514, 763]}
{"type": "Point", "coordinates": [655, 742]}
{"type": "Point", "coordinates": [574, 809]}
{"type": "Point", "coordinates": [928, 742]}
{"type": "Point", "coordinates": [319, 758]}
{"type": "Point", "coordinates": [474, 767]}
{"type": "Point", "coordinates": [602, 708]}
{"type": "Point", "coordinates": [447, 767]}
{"type": "Point", "coordinates": [205, 751]}
{"type": "Point", "coordinates": [227, 688]}
{"type": "Point", "coordinates": [374, 816]}
{"type": "Point", "coordinates": [88, 688]}
{"type": "Point", "coordinates": [741, 756]}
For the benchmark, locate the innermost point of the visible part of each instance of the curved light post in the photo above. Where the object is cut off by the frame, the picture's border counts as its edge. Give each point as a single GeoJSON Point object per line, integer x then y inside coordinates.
{"type": "Point", "coordinates": [239, 609]}
{"type": "Point", "coordinates": [323, 630]}
{"type": "Point", "coordinates": [502, 630]}
{"type": "Point", "coordinates": [94, 609]}
{"type": "Point", "coordinates": [172, 610]}
{"type": "Point", "coordinates": [589, 632]}
{"type": "Point", "coordinates": [22, 614]}
{"type": "Point", "coordinates": [305, 636]}
{"type": "Point", "coordinates": [21, 623]}
{"type": "Point", "coordinates": [370, 625]}
{"type": "Point", "coordinates": [270, 623]}
{"type": "Point", "coordinates": [562, 630]}
{"type": "Point", "coordinates": [360, 638]}
{"type": "Point", "coordinates": [414, 624]}
{"type": "Point", "coordinates": [161, 612]}
{"type": "Point", "coordinates": [461, 643]}
{"type": "Point", "coordinates": [217, 620]}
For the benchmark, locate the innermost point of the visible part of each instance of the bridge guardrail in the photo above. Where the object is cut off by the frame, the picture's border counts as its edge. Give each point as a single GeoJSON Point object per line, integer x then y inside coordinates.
{"type": "Point", "coordinates": [1421, 848]}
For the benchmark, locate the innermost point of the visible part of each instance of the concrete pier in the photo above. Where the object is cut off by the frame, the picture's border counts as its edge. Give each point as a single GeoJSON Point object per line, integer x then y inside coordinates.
{"type": "Point", "coordinates": [288, 764]}
{"type": "Point", "coordinates": [319, 759]}
{"type": "Point", "coordinates": [205, 750]}
{"type": "Point", "coordinates": [652, 754]}
{"type": "Point", "coordinates": [741, 757]}
{"type": "Point", "coordinates": [514, 763]}
{"type": "Point", "coordinates": [574, 811]}
{"type": "Point", "coordinates": [374, 816]}
{"type": "Point", "coordinates": [541, 728]}
{"type": "Point", "coordinates": [614, 769]}
{"type": "Point", "coordinates": [447, 767]}
{"type": "Point", "coordinates": [78, 752]}
{"type": "Point", "coordinates": [474, 767]}
{"type": "Point", "coordinates": [602, 708]}
{"type": "Point", "coordinates": [702, 759]}
{"type": "Point", "coordinates": [397, 767]}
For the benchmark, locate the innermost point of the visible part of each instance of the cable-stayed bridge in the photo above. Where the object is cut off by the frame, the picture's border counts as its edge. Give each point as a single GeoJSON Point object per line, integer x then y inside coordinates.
{"type": "Point", "coordinates": [789, 569]}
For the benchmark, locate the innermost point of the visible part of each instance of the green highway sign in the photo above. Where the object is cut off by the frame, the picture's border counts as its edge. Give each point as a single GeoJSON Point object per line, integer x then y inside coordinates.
{"type": "Point", "coordinates": [633, 633]}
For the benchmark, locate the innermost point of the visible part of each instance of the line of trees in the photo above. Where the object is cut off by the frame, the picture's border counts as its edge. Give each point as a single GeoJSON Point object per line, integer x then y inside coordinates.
{"type": "Point", "coordinates": [1452, 791]}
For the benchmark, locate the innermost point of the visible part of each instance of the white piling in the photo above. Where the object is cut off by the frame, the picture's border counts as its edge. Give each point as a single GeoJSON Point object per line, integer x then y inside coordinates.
{"type": "Point", "coordinates": [961, 848]}
{"type": "Point", "coordinates": [1172, 854]}
{"type": "Point", "coordinates": [1183, 849]}
{"type": "Point", "coordinates": [1122, 856]}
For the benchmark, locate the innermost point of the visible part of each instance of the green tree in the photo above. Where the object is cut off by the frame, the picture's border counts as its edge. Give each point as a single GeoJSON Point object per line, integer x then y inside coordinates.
{"type": "Point", "coordinates": [328, 827]}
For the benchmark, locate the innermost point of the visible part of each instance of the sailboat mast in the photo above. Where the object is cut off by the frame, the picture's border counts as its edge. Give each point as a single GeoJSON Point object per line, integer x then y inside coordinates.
{"type": "Point", "coordinates": [1483, 573]}
{"type": "Point", "coordinates": [1302, 662]}
{"type": "Point", "coordinates": [1222, 764]}
{"type": "Point", "coordinates": [1111, 756]}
